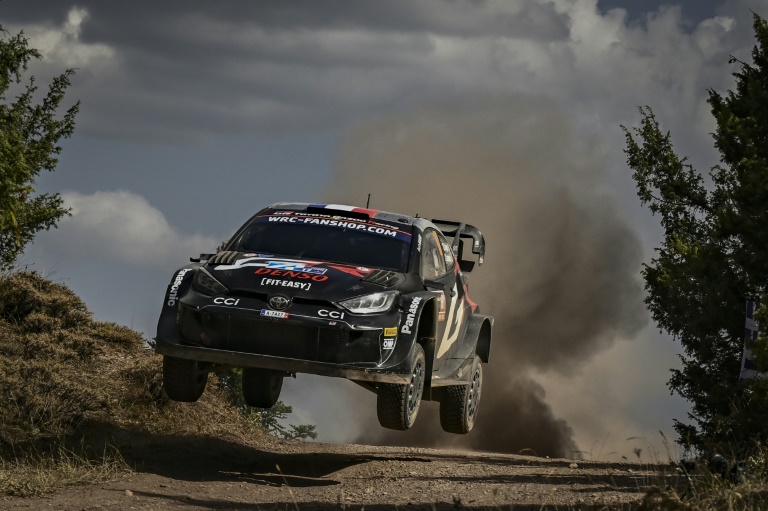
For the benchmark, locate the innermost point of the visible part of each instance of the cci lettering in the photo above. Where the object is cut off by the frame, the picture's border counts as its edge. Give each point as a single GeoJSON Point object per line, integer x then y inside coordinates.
{"type": "Point", "coordinates": [226, 301]}
{"type": "Point", "coordinates": [330, 314]}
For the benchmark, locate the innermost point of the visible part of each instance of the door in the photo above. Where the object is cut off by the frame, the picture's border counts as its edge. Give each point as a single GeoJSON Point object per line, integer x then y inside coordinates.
{"type": "Point", "coordinates": [438, 270]}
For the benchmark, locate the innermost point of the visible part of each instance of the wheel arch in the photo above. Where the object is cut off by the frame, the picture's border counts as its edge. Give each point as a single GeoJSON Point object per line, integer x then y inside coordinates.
{"type": "Point", "coordinates": [425, 336]}
{"type": "Point", "coordinates": [483, 347]}
{"type": "Point", "coordinates": [477, 339]}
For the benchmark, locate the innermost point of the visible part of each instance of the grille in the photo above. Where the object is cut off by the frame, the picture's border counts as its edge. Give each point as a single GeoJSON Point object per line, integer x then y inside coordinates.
{"type": "Point", "coordinates": [279, 338]}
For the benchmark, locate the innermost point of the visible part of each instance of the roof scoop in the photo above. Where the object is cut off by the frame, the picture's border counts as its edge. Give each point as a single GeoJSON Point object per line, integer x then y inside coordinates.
{"type": "Point", "coordinates": [384, 278]}
{"type": "Point", "coordinates": [224, 257]}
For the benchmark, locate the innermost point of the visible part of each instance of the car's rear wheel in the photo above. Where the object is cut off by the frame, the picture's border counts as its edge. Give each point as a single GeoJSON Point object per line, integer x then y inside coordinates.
{"type": "Point", "coordinates": [459, 403]}
{"type": "Point", "coordinates": [397, 405]}
{"type": "Point", "coordinates": [183, 379]}
{"type": "Point", "coordinates": [261, 387]}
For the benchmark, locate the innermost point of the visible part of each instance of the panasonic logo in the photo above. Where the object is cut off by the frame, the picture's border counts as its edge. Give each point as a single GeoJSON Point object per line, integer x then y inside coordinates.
{"type": "Point", "coordinates": [173, 294]}
{"type": "Point", "coordinates": [410, 318]}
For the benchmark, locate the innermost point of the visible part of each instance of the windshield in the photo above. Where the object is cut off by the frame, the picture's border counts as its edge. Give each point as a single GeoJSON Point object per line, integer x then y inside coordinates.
{"type": "Point", "coordinates": [354, 242]}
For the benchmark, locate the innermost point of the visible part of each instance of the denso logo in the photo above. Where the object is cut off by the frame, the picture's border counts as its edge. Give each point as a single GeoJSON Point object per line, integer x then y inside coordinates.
{"type": "Point", "coordinates": [330, 314]}
{"type": "Point", "coordinates": [226, 301]}
{"type": "Point", "coordinates": [260, 261]}
{"type": "Point", "coordinates": [291, 266]}
{"type": "Point", "coordinates": [410, 318]}
{"type": "Point", "coordinates": [300, 274]}
{"type": "Point", "coordinates": [173, 294]}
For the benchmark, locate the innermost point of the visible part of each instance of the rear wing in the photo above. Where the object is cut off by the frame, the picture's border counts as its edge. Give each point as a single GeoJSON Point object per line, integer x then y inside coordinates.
{"type": "Point", "coordinates": [460, 232]}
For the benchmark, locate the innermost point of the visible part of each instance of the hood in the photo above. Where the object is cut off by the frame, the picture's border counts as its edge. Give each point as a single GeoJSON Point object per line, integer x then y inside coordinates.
{"type": "Point", "coordinates": [292, 277]}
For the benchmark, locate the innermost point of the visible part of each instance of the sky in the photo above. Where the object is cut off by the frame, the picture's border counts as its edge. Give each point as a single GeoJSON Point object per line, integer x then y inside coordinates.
{"type": "Point", "coordinates": [195, 114]}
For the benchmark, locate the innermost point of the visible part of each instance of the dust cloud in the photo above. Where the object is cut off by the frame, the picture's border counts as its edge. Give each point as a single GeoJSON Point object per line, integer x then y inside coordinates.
{"type": "Point", "coordinates": [561, 273]}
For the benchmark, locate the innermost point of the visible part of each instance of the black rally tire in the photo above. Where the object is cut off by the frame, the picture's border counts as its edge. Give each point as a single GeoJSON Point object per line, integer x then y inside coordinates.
{"type": "Point", "coordinates": [398, 405]}
{"type": "Point", "coordinates": [459, 403]}
{"type": "Point", "coordinates": [182, 379]}
{"type": "Point", "coordinates": [261, 387]}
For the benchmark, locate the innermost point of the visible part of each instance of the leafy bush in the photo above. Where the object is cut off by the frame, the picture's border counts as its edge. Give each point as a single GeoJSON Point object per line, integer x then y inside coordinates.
{"type": "Point", "coordinates": [268, 418]}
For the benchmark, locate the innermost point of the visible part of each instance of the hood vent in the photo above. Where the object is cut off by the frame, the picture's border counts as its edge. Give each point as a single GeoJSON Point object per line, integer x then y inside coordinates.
{"type": "Point", "coordinates": [224, 257]}
{"type": "Point", "coordinates": [384, 278]}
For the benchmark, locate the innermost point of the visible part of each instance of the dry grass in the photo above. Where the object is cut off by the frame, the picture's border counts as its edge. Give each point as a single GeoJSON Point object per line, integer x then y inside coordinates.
{"type": "Point", "coordinates": [710, 495]}
{"type": "Point", "coordinates": [715, 488]}
{"type": "Point", "coordinates": [68, 379]}
{"type": "Point", "coordinates": [36, 473]}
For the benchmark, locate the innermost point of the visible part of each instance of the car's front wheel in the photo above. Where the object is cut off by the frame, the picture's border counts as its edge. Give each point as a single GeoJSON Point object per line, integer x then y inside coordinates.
{"type": "Point", "coordinates": [459, 403]}
{"type": "Point", "coordinates": [183, 379]}
{"type": "Point", "coordinates": [397, 405]}
{"type": "Point", "coordinates": [261, 387]}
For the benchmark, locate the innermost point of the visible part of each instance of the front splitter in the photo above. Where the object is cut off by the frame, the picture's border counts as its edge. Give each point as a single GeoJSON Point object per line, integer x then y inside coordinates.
{"type": "Point", "coordinates": [289, 365]}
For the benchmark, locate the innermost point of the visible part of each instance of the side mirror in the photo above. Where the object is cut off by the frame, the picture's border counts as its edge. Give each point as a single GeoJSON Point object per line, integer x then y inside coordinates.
{"type": "Point", "coordinates": [436, 285]}
{"type": "Point", "coordinates": [203, 257]}
{"type": "Point", "coordinates": [445, 288]}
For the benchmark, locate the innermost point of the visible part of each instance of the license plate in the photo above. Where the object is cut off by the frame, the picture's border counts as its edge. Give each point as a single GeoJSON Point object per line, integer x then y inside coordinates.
{"type": "Point", "coordinates": [274, 314]}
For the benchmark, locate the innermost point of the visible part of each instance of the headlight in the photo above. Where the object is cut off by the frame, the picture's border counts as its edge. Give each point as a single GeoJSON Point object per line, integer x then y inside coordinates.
{"type": "Point", "coordinates": [206, 284]}
{"type": "Point", "coordinates": [370, 304]}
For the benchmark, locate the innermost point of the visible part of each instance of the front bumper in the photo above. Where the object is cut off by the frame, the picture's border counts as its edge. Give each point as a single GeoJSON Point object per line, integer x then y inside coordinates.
{"type": "Point", "coordinates": [312, 339]}
{"type": "Point", "coordinates": [396, 374]}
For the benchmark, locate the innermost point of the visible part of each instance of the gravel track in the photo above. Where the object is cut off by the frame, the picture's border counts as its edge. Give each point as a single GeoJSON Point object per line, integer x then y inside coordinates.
{"type": "Point", "coordinates": [211, 473]}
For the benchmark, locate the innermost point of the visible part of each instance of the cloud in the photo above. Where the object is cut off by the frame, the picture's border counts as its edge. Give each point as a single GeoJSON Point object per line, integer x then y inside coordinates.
{"type": "Point", "coordinates": [120, 227]}
{"type": "Point", "coordinates": [276, 68]}
{"type": "Point", "coordinates": [62, 45]}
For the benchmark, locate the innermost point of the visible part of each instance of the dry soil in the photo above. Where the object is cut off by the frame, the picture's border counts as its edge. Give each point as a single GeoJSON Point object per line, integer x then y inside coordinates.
{"type": "Point", "coordinates": [211, 473]}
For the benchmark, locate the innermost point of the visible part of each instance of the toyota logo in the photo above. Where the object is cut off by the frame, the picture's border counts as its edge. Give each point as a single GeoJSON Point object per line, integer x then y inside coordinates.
{"type": "Point", "coordinates": [279, 303]}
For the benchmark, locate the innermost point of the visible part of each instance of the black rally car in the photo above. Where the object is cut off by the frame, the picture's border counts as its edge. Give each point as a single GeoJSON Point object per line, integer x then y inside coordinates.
{"type": "Point", "coordinates": [378, 298]}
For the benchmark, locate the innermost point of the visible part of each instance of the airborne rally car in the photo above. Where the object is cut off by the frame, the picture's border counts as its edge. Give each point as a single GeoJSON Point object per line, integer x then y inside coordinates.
{"type": "Point", "coordinates": [377, 298]}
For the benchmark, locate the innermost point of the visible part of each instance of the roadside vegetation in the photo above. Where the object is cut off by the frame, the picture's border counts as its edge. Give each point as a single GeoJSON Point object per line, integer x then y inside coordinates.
{"type": "Point", "coordinates": [30, 131]}
{"type": "Point", "coordinates": [76, 392]}
{"type": "Point", "coordinates": [713, 258]}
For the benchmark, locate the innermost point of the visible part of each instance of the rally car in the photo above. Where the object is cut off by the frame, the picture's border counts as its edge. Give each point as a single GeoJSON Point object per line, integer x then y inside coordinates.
{"type": "Point", "coordinates": [378, 298]}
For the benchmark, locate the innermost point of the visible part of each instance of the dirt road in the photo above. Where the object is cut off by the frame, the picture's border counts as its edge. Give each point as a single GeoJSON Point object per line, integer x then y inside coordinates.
{"type": "Point", "coordinates": [211, 473]}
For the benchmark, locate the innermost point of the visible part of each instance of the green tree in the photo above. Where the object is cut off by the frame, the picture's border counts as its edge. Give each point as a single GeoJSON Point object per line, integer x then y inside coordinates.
{"type": "Point", "coordinates": [714, 253]}
{"type": "Point", "coordinates": [268, 418]}
{"type": "Point", "coordinates": [29, 134]}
